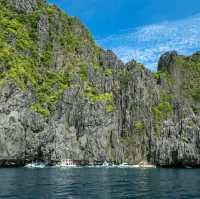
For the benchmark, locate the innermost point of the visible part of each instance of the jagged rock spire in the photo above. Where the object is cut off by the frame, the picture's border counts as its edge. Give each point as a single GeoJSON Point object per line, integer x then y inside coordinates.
{"type": "Point", "coordinates": [166, 60]}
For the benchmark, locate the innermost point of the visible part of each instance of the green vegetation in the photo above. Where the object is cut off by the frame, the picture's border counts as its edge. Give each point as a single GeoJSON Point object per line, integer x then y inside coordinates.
{"type": "Point", "coordinates": [107, 72]}
{"type": "Point", "coordinates": [38, 108]}
{"type": "Point", "coordinates": [162, 111]}
{"type": "Point", "coordinates": [124, 76]}
{"type": "Point", "coordinates": [184, 139]}
{"type": "Point", "coordinates": [30, 68]}
{"type": "Point", "coordinates": [195, 93]}
{"type": "Point", "coordinates": [190, 68]}
{"type": "Point", "coordinates": [109, 108]}
{"type": "Point", "coordinates": [139, 67]}
{"type": "Point", "coordinates": [15, 63]}
{"type": "Point", "coordinates": [138, 126]}
{"type": "Point", "coordinates": [165, 76]}
{"type": "Point", "coordinates": [96, 97]}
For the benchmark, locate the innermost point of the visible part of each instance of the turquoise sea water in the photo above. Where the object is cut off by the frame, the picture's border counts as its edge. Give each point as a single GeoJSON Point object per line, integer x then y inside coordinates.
{"type": "Point", "coordinates": [99, 183]}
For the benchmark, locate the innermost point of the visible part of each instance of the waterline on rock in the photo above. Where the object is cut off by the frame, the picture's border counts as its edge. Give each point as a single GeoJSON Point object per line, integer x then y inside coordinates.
{"type": "Point", "coordinates": [63, 166]}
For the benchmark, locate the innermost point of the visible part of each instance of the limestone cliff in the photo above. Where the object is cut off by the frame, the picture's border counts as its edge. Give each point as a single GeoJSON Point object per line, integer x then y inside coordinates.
{"type": "Point", "coordinates": [63, 97]}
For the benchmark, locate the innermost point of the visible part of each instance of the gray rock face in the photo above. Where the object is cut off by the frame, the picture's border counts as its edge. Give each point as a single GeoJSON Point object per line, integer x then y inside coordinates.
{"type": "Point", "coordinates": [178, 145]}
{"type": "Point", "coordinates": [26, 5]}
{"type": "Point", "coordinates": [43, 31]}
{"type": "Point", "coordinates": [167, 60]}
{"type": "Point", "coordinates": [152, 118]}
{"type": "Point", "coordinates": [23, 5]}
{"type": "Point", "coordinates": [76, 131]}
{"type": "Point", "coordinates": [82, 131]}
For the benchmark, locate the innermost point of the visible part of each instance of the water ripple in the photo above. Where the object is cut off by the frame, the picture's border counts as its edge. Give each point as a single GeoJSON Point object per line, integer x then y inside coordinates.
{"type": "Point", "coordinates": [101, 183]}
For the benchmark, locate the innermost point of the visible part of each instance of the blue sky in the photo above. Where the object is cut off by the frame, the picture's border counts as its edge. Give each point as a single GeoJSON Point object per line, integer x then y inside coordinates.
{"type": "Point", "coordinates": [140, 29]}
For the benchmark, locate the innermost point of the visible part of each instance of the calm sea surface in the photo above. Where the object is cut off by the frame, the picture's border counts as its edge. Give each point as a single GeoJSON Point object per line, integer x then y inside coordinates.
{"type": "Point", "coordinates": [99, 183]}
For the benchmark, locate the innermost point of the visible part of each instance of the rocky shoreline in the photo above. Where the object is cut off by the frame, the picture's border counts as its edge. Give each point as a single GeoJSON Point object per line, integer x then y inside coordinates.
{"type": "Point", "coordinates": [6, 163]}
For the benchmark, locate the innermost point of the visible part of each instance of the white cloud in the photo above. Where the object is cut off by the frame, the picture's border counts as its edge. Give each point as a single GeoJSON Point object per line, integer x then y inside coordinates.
{"type": "Point", "coordinates": [146, 44]}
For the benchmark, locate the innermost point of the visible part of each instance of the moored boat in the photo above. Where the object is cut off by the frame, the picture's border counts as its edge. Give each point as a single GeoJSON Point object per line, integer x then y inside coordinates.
{"type": "Point", "coordinates": [67, 163]}
{"type": "Point", "coordinates": [36, 165]}
{"type": "Point", "coordinates": [144, 165]}
{"type": "Point", "coordinates": [105, 164]}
